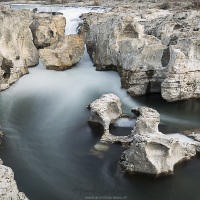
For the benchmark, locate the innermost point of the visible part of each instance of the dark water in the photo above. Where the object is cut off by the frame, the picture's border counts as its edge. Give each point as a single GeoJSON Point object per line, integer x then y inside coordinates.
{"type": "Point", "coordinates": [48, 141]}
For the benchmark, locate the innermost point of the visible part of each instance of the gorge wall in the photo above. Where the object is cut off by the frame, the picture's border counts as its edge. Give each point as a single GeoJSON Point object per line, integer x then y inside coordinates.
{"type": "Point", "coordinates": [153, 50]}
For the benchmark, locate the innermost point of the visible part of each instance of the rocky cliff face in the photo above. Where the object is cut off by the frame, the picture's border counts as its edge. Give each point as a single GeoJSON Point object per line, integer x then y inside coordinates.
{"type": "Point", "coordinates": [17, 51]}
{"type": "Point", "coordinates": [153, 50]}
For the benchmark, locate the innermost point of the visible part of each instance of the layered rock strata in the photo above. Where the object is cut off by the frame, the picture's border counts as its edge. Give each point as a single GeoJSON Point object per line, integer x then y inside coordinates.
{"type": "Point", "coordinates": [153, 50]}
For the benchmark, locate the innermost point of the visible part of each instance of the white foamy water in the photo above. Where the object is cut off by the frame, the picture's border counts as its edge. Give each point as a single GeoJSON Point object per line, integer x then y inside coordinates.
{"type": "Point", "coordinates": [124, 122]}
{"type": "Point", "coordinates": [181, 137]}
{"type": "Point", "coordinates": [72, 15]}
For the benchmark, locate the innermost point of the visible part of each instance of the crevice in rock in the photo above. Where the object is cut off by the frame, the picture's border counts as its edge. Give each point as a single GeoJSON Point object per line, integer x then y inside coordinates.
{"type": "Point", "coordinates": [6, 65]}
{"type": "Point", "coordinates": [165, 57]}
{"type": "Point", "coordinates": [178, 26]}
{"type": "Point", "coordinates": [130, 31]}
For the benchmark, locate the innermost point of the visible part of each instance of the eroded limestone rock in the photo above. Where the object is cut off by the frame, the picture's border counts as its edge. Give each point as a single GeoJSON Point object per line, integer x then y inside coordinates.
{"type": "Point", "coordinates": [47, 29]}
{"type": "Point", "coordinates": [64, 53]}
{"type": "Point", "coordinates": [152, 152]}
{"type": "Point", "coordinates": [117, 42]}
{"type": "Point", "coordinates": [17, 51]}
{"type": "Point", "coordinates": [148, 150]}
{"type": "Point", "coordinates": [153, 50]}
{"type": "Point", "coordinates": [8, 186]}
{"type": "Point", "coordinates": [104, 111]}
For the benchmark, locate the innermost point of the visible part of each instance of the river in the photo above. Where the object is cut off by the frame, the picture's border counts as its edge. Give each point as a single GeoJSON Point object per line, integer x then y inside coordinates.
{"type": "Point", "coordinates": [50, 146]}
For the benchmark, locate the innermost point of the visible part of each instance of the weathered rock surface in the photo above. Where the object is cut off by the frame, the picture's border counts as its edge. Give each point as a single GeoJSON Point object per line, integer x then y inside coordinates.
{"type": "Point", "coordinates": [47, 29]}
{"type": "Point", "coordinates": [104, 111]}
{"type": "Point", "coordinates": [8, 186]}
{"type": "Point", "coordinates": [151, 151]}
{"type": "Point", "coordinates": [17, 51]}
{"type": "Point", "coordinates": [64, 53]}
{"type": "Point", "coordinates": [153, 50]}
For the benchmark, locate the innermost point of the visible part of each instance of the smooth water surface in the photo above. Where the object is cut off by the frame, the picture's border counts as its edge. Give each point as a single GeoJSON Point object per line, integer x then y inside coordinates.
{"type": "Point", "coordinates": [48, 142]}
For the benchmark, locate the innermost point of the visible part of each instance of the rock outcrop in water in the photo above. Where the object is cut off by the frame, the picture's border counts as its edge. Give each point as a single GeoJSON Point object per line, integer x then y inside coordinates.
{"type": "Point", "coordinates": [22, 31]}
{"type": "Point", "coordinates": [57, 50]}
{"type": "Point", "coordinates": [149, 151]}
{"type": "Point", "coordinates": [104, 111]}
{"type": "Point", "coordinates": [8, 186]}
{"type": "Point", "coordinates": [153, 50]}
{"type": "Point", "coordinates": [17, 51]}
{"type": "Point", "coordinates": [64, 53]}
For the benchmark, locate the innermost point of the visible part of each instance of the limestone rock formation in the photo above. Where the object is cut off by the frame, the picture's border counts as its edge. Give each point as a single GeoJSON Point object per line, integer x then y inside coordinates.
{"type": "Point", "coordinates": [47, 29]}
{"type": "Point", "coordinates": [8, 186]}
{"type": "Point", "coordinates": [153, 50]}
{"type": "Point", "coordinates": [148, 150]}
{"type": "Point", "coordinates": [104, 111]}
{"type": "Point", "coordinates": [152, 152]}
{"type": "Point", "coordinates": [17, 51]}
{"type": "Point", "coordinates": [64, 53]}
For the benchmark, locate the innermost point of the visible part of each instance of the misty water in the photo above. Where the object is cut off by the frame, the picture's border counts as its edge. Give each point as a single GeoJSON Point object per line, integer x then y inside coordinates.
{"type": "Point", "coordinates": [51, 148]}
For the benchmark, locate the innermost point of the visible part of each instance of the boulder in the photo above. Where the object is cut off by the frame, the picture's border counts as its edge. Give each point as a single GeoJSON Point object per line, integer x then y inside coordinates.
{"type": "Point", "coordinates": [47, 28]}
{"type": "Point", "coordinates": [152, 152]}
{"type": "Point", "coordinates": [104, 111]}
{"type": "Point", "coordinates": [64, 53]}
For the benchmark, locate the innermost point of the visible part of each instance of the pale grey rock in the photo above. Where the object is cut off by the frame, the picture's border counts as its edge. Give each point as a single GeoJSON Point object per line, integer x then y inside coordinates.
{"type": "Point", "coordinates": [195, 136]}
{"type": "Point", "coordinates": [8, 186]}
{"type": "Point", "coordinates": [17, 51]}
{"type": "Point", "coordinates": [148, 150]}
{"type": "Point", "coordinates": [104, 111]}
{"type": "Point", "coordinates": [153, 50]}
{"type": "Point", "coordinates": [64, 53]}
{"type": "Point", "coordinates": [152, 152]}
{"type": "Point", "coordinates": [117, 42]}
{"type": "Point", "coordinates": [47, 28]}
